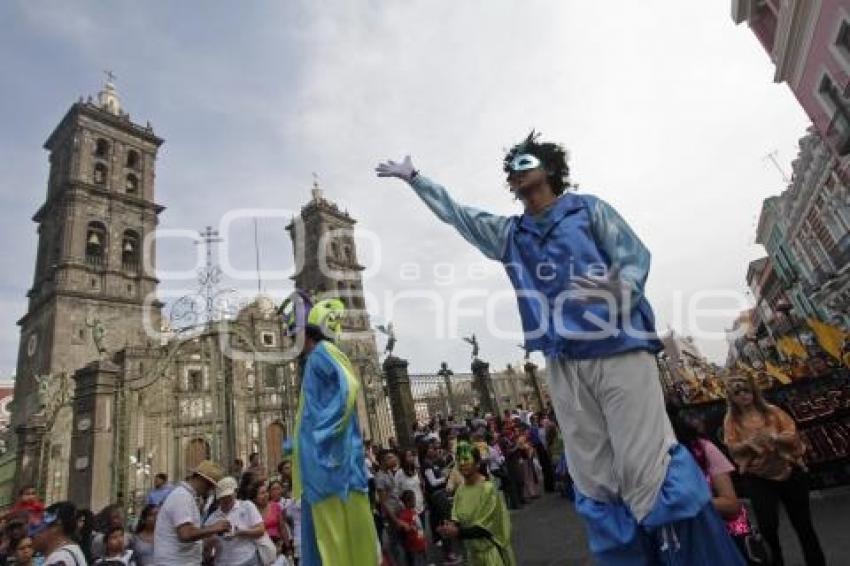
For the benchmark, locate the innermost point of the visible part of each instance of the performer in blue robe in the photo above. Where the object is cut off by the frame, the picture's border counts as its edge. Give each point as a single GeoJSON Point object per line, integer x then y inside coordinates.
{"type": "Point", "coordinates": [329, 472]}
{"type": "Point", "coordinates": [579, 273]}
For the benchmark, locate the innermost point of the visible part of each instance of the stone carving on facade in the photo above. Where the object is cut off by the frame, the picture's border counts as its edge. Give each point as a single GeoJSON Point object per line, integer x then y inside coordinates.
{"type": "Point", "coordinates": [98, 335]}
{"type": "Point", "coordinates": [53, 393]}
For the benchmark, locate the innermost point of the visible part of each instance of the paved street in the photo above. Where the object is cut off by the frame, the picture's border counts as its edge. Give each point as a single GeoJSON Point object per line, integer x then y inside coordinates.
{"type": "Point", "coordinates": [549, 533]}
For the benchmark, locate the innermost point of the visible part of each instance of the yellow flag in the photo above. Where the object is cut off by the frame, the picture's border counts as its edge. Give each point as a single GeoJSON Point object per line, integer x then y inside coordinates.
{"type": "Point", "coordinates": [830, 338]}
{"type": "Point", "coordinates": [792, 347]}
{"type": "Point", "coordinates": [777, 373]}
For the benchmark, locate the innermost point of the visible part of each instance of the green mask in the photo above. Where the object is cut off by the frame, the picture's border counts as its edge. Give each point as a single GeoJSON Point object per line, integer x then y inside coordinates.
{"type": "Point", "coordinates": [463, 453]}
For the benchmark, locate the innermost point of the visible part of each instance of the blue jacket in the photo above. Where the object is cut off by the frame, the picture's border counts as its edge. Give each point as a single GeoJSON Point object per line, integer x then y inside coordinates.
{"type": "Point", "coordinates": [579, 235]}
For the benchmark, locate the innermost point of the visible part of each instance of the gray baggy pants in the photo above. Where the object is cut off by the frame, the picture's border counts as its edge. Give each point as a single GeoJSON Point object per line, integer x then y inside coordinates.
{"type": "Point", "coordinates": [616, 432]}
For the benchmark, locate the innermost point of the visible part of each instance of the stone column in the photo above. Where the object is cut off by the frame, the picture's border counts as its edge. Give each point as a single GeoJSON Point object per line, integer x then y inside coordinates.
{"type": "Point", "coordinates": [531, 371]}
{"type": "Point", "coordinates": [482, 382]}
{"type": "Point", "coordinates": [91, 462]}
{"type": "Point", "coordinates": [447, 374]}
{"type": "Point", "coordinates": [29, 453]}
{"type": "Point", "coordinates": [401, 400]}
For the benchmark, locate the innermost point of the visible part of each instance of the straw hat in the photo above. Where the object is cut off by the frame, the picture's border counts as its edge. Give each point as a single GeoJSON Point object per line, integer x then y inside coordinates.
{"type": "Point", "coordinates": [210, 471]}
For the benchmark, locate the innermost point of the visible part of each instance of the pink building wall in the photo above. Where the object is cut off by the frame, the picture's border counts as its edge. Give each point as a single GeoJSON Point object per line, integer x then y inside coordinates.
{"type": "Point", "coordinates": [824, 57]}
{"type": "Point", "coordinates": [811, 49]}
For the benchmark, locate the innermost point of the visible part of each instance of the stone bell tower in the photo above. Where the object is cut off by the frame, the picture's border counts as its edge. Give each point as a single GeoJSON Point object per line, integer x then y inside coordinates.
{"type": "Point", "coordinates": [327, 266]}
{"type": "Point", "coordinates": [93, 287]}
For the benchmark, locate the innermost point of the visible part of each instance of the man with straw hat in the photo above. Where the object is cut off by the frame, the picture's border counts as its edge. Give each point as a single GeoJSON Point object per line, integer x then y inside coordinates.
{"type": "Point", "coordinates": [178, 535]}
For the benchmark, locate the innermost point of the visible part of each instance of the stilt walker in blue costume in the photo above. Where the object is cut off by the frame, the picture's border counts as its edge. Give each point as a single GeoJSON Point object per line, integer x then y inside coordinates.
{"type": "Point", "coordinates": [329, 472]}
{"type": "Point", "coordinates": [579, 273]}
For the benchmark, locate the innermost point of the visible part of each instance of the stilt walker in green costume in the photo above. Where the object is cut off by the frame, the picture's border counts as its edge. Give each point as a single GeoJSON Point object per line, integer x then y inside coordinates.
{"type": "Point", "coordinates": [479, 515]}
{"type": "Point", "coordinates": [329, 475]}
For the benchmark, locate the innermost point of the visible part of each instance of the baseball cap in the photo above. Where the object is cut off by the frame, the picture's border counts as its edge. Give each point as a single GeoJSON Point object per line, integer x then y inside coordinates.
{"type": "Point", "coordinates": [47, 520]}
{"type": "Point", "coordinates": [225, 487]}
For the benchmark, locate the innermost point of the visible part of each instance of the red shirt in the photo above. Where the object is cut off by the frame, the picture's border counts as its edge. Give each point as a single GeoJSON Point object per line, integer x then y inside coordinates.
{"type": "Point", "coordinates": [414, 539]}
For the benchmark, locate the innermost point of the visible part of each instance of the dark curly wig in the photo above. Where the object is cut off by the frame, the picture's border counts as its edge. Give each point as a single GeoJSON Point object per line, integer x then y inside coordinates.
{"type": "Point", "coordinates": [551, 155]}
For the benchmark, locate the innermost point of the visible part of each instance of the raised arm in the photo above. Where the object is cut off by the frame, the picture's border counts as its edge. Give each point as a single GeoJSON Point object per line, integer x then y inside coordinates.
{"type": "Point", "coordinates": [487, 232]}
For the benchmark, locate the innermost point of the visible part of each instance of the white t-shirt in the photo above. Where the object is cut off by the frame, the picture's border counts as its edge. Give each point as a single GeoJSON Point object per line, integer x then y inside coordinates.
{"type": "Point", "coordinates": [179, 508]}
{"type": "Point", "coordinates": [413, 484]}
{"type": "Point", "coordinates": [236, 549]}
{"type": "Point", "coordinates": [67, 555]}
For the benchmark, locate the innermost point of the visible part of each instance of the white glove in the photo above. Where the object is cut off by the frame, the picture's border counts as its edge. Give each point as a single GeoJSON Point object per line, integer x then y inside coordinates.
{"type": "Point", "coordinates": [403, 170]}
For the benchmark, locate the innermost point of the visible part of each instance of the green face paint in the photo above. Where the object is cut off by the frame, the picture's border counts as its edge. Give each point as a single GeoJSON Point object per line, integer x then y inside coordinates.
{"type": "Point", "coordinates": [463, 453]}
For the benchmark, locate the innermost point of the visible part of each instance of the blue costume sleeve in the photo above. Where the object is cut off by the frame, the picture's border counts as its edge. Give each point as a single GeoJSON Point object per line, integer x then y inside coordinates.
{"type": "Point", "coordinates": [487, 232]}
{"type": "Point", "coordinates": [326, 398]}
{"type": "Point", "coordinates": [621, 244]}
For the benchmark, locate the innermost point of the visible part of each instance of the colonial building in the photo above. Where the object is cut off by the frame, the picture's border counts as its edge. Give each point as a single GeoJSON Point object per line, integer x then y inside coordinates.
{"type": "Point", "coordinates": [89, 271]}
{"type": "Point", "coordinates": [105, 398]}
{"type": "Point", "coordinates": [809, 43]}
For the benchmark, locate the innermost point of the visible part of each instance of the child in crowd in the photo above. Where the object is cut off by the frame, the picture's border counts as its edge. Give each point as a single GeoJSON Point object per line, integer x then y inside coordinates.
{"type": "Point", "coordinates": [415, 543]}
{"type": "Point", "coordinates": [115, 549]}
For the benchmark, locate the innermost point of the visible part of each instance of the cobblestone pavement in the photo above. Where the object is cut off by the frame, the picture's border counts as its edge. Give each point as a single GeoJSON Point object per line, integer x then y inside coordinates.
{"type": "Point", "coordinates": [548, 532]}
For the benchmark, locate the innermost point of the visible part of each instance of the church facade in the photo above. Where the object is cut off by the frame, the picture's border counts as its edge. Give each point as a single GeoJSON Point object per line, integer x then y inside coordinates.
{"type": "Point", "coordinates": [104, 398]}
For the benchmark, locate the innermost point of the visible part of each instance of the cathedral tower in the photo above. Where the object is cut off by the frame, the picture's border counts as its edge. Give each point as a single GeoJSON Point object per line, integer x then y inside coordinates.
{"type": "Point", "coordinates": [93, 290]}
{"type": "Point", "coordinates": [327, 266]}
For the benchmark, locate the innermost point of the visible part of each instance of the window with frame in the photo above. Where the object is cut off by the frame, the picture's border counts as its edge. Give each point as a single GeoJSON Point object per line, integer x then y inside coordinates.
{"type": "Point", "coordinates": [130, 251]}
{"type": "Point", "coordinates": [101, 147]}
{"type": "Point", "coordinates": [131, 184]}
{"type": "Point", "coordinates": [842, 41]}
{"type": "Point", "coordinates": [195, 380]}
{"type": "Point", "coordinates": [268, 339]}
{"type": "Point", "coordinates": [132, 159]}
{"type": "Point", "coordinates": [96, 244]}
{"type": "Point", "coordinates": [99, 174]}
{"type": "Point", "coordinates": [270, 377]}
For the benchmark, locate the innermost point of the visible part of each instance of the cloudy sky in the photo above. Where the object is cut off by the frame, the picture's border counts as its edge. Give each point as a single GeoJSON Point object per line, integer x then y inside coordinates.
{"type": "Point", "coordinates": [666, 106]}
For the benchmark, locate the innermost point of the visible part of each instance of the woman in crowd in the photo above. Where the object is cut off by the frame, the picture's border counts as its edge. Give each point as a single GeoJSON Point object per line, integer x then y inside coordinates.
{"type": "Point", "coordinates": [22, 553]}
{"type": "Point", "coordinates": [537, 437]}
{"type": "Point", "coordinates": [408, 480]}
{"type": "Point", "coordinates": [54, 535]}
{"type": "Point", "coordinates": [274, 517]}
{"type": "Point", "coordinates": [142, 540]}
{"type": "Point", "coordinates": [115, 551]}
{"type": "Point", "coordinates": [764, 443]}
{"type": "Point", "coordinates": [111, 516]}
{"type": "Point", "coordinates": [513, 466]}
{"type": "Point", "coordinates": [479, 515]}
{"type": "Point", "coordinates": [717, 470]}
{"type": "Point", "coordinates": [530, 466]}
